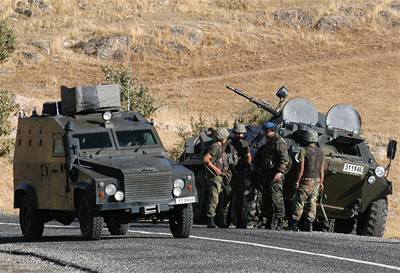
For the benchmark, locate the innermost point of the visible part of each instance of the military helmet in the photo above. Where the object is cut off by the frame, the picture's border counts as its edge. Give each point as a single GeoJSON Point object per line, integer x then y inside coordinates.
{"type": "Point", "coordinates": [269, 125]}
{"type": "Point", "coordinates": [221, 133]}
{"type": "Point", "coordinates": [311, 136]}
{"type": "Point", "coordinates": [239, 128]}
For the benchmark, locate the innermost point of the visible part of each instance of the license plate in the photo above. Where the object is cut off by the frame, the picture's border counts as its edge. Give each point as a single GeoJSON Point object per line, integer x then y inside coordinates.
{"type": "Point", "coordinates": [184, 200]}
{"type": "Point", "coordinates": [353, 169]}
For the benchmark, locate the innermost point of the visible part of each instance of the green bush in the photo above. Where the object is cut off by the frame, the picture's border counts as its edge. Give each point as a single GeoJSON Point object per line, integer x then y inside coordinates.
{"type": "Point", "coordinates": [7, 41]}
{"type": "Point", "coordinates": [254, 116]}
{"type": "Point", "coordinates": [195, 128]}
{"type": "Point", "coordinates": [7, 107]}
{"type": "Point", "coordinates": [131, 89]}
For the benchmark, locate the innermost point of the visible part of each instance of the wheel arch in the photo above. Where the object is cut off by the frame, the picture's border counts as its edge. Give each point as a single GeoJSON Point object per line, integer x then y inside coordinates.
{"type": "Point", "coordinates": [84, 188]}
{"type": "Point", "coordinates": [25, 188]}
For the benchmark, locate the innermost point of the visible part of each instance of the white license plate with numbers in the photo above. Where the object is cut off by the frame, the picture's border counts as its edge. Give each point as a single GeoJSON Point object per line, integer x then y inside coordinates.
{"type": "Point", "coordinates": [185, 200]}
{"type": "Point", "coordinates": [353, 169]}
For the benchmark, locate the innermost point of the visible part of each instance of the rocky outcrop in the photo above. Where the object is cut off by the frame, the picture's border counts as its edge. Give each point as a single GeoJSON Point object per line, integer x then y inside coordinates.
{"type": "Point", "coordinates": [295, 18]}
{"type": "Point", "coordinates": [108, 47]}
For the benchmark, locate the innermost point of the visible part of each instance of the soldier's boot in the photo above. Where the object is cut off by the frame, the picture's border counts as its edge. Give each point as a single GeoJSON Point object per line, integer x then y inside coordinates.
{"type": "Point", "coordinates": [293, 225]}
{"type": "Point", "coordinates": [279, 225]}
{"type": "Point", "coordinates": [308, 225]}
{"type": "Point", "coordinates": [224, 223]}
{"type": "Point", "coordinates": [210, 222]}
{"type": "Point", "coordinates": [274, 223]}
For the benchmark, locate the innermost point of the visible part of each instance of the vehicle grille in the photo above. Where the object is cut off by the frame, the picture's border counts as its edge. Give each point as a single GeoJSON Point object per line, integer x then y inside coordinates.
{"type": "Point", "coordinates": [148, 186]}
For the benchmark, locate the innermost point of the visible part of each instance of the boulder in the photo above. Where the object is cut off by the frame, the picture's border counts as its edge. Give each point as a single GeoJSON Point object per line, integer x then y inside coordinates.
{"type": "Point", "coordinates": [70, 43]}
{"type": "Point", "coordinates": [110, 47]}
{"type": "Point", "coordinates": [296, 18]}
{"type": "Point", "coordinates": [31, 56]}
{"type": "Point", "coordinates": [44, 45]}
{"type": "Point", "coordinates": [41, 4]}
{"type": "Point", "coordinates": [24, 11]}
{"type": "Point", "coordinates": [395, 5]}
{"type": "Point", "coordinates": [333, 23]}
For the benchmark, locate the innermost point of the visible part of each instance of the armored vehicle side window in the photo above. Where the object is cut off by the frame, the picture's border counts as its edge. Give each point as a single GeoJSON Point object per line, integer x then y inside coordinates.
{"type": "Point", "coordinates": [348, 149]}
{"type": "Point", "coordinates": [134, 138]}
{"type": "Point", "coordinates": [94, 140]}
{"type": "Point", "coordinates": [58, 146]}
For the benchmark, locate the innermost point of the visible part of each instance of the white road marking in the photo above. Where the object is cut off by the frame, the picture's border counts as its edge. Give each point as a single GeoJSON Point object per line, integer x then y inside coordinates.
{"type": "Point", "coordinates": [279, 248]}
{"type": "Point", "coordinates": [249, 244]}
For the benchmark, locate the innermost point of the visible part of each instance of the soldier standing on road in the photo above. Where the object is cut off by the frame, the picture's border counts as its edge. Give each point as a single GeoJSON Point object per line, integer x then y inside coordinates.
{"type": "Point", "coordinates": [272, 161]}
{"type": "Point", "coordinates": [310, 179]}
{"type": "Point", "coordinates": [240, 173]}
{"type": "Point", "coordinates": [215, 161]}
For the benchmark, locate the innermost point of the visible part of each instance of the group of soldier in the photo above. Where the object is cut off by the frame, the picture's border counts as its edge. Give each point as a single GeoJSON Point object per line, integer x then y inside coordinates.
{"type": "Point", "coordinates": [269, 165]}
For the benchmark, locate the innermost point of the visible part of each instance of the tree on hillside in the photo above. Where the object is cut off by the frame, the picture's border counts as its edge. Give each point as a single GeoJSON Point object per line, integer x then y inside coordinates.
{"type": "Point", "coordinates": [7, 41]}
{"type": "Point", "coordinates": [7, 107]}
{"type": "Point", "coordinates": [132, 91]}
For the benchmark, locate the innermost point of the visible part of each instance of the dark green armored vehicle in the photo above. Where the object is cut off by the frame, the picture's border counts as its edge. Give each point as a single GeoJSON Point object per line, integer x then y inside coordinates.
{"type": "Point", "coordinates": [85, 158]}
{"type": "Point", "coordinates": [356, 187]}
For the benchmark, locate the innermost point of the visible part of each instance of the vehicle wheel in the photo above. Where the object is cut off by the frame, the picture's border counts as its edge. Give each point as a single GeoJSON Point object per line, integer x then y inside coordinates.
{"type": "Point", "coordinates": [347, 226]}
{"type": "Point", "coordinates": [31, 220]}
{"type": "Point", "coordinates": [116, 228]}
{"type": "Point", "coordinates": [91, 226]}
{"type": "Point", "coordinates": [181, 220]}
{"type": "Point", "coordinates": [374, 219]}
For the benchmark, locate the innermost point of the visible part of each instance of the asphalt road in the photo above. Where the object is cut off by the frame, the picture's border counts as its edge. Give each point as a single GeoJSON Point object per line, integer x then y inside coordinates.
{"type": "Point", "coordinates": [151, 248]}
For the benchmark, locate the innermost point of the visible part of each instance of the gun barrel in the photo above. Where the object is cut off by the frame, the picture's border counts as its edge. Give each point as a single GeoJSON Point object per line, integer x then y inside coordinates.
{"type": "Point", "coordinates": [256, 101]}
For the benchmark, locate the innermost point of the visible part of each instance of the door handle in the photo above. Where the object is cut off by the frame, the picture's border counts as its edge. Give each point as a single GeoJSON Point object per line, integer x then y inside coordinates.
{"type": "Point", "coordinates": [44, 170]}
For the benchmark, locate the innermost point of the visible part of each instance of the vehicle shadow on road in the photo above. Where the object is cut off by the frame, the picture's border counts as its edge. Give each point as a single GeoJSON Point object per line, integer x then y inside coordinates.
{"type": "Point", "coordinates": [68, 238]}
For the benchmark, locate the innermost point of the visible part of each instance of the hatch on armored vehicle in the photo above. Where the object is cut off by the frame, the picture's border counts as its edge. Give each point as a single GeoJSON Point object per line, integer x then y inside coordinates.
{"type": "Point", "coordinates": [300, 110]}
{"type": "Point", "coordinates": [85, 158]}
{"type": "Point", "coordinates": [345, 117]}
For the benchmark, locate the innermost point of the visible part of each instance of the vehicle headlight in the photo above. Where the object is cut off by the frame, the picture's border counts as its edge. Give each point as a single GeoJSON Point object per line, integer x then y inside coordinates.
{"type": "Point", "coordinates": [107, 116]}
{"type": "Point", "coordinates": [119, 196]}
{"type": "Point", "coordinates": [111, 189]}
{"type": "Point", "coordinates": [179, 183]}
{"type": "Point", "coordinates": [380, 171]}
{"type": "Point", "coordinates": [177, 192]}
{"type": "Point", "coordinates": [371, 179]}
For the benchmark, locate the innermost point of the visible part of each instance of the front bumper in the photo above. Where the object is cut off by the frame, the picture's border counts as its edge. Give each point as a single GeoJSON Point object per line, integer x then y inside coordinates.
{"type": "Point", "coordinates": [146, 207]}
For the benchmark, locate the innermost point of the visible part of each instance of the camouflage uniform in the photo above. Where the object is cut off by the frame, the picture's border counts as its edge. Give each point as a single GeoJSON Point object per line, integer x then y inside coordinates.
{"type": "Point", "coordinates": [271, 158]}
{"type": "Point", "coordinates": [217, 186]}
{"type": "Point", "coordinates": [240, 181]}
{"type": "Point", "coordinates": [307, 193]}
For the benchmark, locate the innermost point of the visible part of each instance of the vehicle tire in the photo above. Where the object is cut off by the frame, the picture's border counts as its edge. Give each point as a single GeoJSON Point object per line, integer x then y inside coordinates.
{"type": "Point", "coordinates": [116, 228]}
{"type": "Point", "coordinates": [181, 221]}
{"type": "Point", "coordinates": [347, 226]}
{"type": "Point", "coordinates": [31, 220]}
{"type": "Point", "coordinates": [91, 226]}
{"type": "Point", "coordinates": [374, 219]}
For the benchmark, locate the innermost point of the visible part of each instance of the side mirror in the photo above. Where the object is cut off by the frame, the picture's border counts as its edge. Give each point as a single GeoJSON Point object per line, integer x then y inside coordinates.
{"type": "Point", "coordinates": [391, 149]}
{"type": "Point", "coordinates": [282, 92]}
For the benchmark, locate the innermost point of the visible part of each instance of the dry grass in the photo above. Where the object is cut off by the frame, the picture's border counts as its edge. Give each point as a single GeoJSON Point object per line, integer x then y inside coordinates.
{"type": "Point", "coordinates": [239, 43]}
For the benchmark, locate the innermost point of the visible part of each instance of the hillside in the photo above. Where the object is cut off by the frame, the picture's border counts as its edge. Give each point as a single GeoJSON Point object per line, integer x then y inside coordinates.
{"type": "Point", "coordinates": [186, 51]}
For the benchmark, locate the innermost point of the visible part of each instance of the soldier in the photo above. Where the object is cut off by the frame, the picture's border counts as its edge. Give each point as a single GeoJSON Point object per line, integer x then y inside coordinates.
{"type": "Point", "coordinates": [272, 161]}
{"type": "Point", "coordinates": [242, 163]}
{"type": "Point", "coordinates": [215, 161]}
{"type": "Point", "coordinates": [310, 179]}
